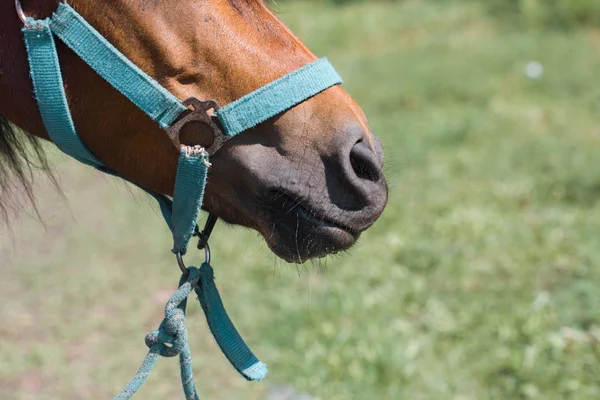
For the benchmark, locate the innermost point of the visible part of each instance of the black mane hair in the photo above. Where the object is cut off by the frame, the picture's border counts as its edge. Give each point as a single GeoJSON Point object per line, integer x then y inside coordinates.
{"type": "Point", "coordinates": [20, 155]}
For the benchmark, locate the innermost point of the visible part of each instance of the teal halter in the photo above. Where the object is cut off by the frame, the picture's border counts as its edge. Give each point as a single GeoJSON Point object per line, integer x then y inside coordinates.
{"type": "Point", "coordinates": [181, 212]}
{"type": "Point", "coordinates": [160, 105]}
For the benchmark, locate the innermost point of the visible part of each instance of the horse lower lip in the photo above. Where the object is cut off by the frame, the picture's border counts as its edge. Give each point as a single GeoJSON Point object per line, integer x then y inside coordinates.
{"type": "Point", "coordinates": [298, 209]}
{"type": "Point", "coordinates": [322, 222]}
{"type": "Point", "coordinates": [297, 234]}
{"type": "Point", "coordinates": [298, 239]}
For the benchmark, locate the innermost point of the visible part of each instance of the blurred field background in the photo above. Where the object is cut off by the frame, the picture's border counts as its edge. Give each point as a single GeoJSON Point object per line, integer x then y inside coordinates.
{"type": "Point", "coordinates": [481, 280]}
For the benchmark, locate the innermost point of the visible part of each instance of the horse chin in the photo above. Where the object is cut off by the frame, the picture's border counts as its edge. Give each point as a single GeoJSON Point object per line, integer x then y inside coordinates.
{"type": "Point", "coordinates": [300, 239]}
{"type": "Point", "coordinates": [297, 233]}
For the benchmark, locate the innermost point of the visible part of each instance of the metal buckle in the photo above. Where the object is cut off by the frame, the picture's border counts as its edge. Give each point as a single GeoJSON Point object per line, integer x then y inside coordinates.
{"type": "Point", "coordinates": [199, 113]}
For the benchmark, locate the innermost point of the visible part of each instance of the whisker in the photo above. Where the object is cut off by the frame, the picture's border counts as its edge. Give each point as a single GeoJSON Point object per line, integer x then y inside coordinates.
{"type": "Point", "coordinates": [297, 229]}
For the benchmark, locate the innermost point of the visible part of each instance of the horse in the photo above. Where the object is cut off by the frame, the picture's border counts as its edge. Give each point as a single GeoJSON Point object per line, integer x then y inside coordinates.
{"type": "Point", "coordinates": [309, 180]}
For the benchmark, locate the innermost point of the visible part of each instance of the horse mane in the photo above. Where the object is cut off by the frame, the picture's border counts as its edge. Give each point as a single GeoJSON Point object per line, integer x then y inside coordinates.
{"type": "Point", "coordinates": [20, 155]}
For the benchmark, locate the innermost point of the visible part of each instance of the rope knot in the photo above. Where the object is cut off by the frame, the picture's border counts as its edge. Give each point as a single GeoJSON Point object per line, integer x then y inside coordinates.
{"type": "Point", "coordinates": [170, 338]}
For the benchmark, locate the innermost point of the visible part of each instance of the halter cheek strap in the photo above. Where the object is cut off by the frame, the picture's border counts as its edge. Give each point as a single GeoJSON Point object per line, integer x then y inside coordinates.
{"type": "Point", "coordinates": [181, 212]}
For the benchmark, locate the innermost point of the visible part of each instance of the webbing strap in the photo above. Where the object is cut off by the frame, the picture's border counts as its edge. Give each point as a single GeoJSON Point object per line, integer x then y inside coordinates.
{"type": "Point", "coordinates": [277, 96]}
{"type": "Point", "coordinates": [50, 93]}
{"type": "Point", "coordinates": [227, 337]}
{"type": "Point", "coordinates": [190, 183]}
{"type": "Point", "coordinates": [181, 213]}
{"type": "Point", "coordinates": [160, 105]}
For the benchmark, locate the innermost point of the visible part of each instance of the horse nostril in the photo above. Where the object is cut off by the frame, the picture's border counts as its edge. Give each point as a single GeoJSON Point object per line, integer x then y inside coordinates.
{"type": "Point", "coordinates": [365, 162]}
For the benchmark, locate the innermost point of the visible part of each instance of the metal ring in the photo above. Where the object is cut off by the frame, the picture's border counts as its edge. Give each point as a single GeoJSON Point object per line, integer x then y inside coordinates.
{"type": "Point", "coordinates": [181, 264]}
{"type": "Point", "coordinates": [20, 12]}
{"type": "Point", "coordinates": [207, 254]}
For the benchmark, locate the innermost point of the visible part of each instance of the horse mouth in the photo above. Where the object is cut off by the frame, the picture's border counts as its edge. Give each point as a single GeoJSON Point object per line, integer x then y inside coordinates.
{"type": "Point", "coordinates": [298, 232]}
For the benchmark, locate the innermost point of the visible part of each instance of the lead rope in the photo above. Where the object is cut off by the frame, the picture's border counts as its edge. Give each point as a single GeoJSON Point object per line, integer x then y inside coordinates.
{"type": "Point", "coordinates": [171, 339]}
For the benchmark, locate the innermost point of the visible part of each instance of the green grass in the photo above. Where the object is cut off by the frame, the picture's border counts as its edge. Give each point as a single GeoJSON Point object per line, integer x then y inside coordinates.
{"type": "Point", "coordinates": [481, 280]}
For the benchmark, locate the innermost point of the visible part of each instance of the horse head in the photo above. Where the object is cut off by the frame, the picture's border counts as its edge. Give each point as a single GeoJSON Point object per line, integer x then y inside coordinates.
{"type": "Point", "coordinates": [309, 180]}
